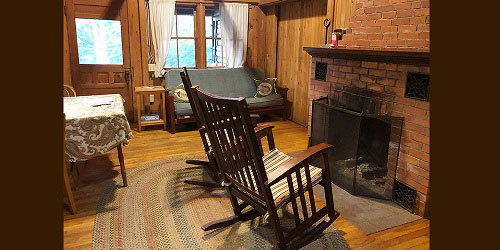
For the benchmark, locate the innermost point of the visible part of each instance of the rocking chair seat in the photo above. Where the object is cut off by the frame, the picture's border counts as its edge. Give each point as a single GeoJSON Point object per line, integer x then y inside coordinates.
{"type": "Point", "coordinates": [280, 191]}
{"type": "Point", "coordinates": [272, 160]}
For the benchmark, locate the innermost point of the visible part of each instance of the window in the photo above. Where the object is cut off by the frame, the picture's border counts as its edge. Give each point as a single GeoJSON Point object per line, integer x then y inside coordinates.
{"type": "Point", "coordinates": [99, 41]}
{"type": "Point", "coordinates": [181, 51]}
{"type": "Point", "coordinates": [192, 46]}
{"type": "Point", "coordinates": [213, 38]}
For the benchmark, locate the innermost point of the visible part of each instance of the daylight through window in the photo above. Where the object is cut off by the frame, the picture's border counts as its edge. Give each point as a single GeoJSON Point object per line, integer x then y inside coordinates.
{"type": "Point", "coordinates": [181, 51]}
{"type": "Point", "coordinates": [99, 41]}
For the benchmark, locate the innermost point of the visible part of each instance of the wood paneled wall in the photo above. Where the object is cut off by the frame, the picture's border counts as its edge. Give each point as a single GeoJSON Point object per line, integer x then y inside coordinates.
{"type": "Point", "coordinates": [66, 62]}
{"type": "Point", "coordinates": [300, 24]}
{"type": "Point", "coordinates": [276, 36]}
{"type": "Point", "coordinates": [344, 9]}
{"type": "Point", "coordinates": [262, 35]}
{"type": "Point", "coordinates": [287, 27]}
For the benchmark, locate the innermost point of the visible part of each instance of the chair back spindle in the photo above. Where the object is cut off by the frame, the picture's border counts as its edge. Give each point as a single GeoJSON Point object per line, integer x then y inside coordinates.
{"type": "Point", "coordinates": [68, 91]}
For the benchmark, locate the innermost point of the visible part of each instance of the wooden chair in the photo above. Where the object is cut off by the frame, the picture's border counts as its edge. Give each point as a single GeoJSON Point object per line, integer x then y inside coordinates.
{"type": "Point", "coordinates": [211, 164]}
{"type": "Point", "coordinates": [68, 91]}
{"type": "Point", "coordinates": [264, 182]}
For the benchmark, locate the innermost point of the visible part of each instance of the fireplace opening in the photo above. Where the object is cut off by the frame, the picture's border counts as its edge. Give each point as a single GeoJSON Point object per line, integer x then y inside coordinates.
{"type": "Point", "coordinates": [365, 138]}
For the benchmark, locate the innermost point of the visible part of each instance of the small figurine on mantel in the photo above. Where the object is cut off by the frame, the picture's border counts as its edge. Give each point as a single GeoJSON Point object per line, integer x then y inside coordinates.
{"type": "Point", "coordinates": [334, 40]}
{"type": "Point", "coordinates": [336, 36]}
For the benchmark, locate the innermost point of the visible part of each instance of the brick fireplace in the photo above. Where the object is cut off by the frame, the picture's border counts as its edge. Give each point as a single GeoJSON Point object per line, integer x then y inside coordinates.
{"type": "Point", "coordinates": [387, 43]}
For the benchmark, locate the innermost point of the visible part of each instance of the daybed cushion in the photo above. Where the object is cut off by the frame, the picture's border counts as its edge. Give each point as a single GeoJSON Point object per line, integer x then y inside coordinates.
{"type": "Point", "coordinates": [182, 108]}
{"type": "Point", "coordinates": [234, 82]}
{"type": "Point", "coordinates": [266, 101]}
{"type": "Point", "coordinates": [254, 102]}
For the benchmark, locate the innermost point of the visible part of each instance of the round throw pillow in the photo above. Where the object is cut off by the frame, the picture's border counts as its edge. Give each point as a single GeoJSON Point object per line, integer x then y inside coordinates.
{"type": "Point", "coordinates": [179, 93]}
{"type": "Point", "coordinates": [265, 87]}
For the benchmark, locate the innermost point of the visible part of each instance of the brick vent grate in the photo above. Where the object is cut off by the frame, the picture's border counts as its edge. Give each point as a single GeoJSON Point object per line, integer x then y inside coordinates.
{"type": "Point", "coordinates": [417, 86]}
{"type": "Point", "coordinates": [320, 71]}
{"type": "Point", "coordinates": [404, 195]}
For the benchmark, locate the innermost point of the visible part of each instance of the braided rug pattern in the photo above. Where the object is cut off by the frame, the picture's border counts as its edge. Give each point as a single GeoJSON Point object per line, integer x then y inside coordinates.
{"type": "Point", "coordinates": [158, 211]}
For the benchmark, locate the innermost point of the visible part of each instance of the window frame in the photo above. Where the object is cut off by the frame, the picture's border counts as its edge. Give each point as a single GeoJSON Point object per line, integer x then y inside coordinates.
{"type": "Point", "coordinates": [199, 35]}
{"type": "Point", "coordinates": [212, 38]}
{"type": "Point", "coordinates": [182, 6]}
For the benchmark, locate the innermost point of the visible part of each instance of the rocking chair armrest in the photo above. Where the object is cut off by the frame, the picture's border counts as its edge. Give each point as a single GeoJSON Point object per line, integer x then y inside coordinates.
{"type": "Point", "coordinates": [254, 119]}
{"type": "Point", "coordinates": [296, 162]}
{"type": "Point", "coordinates": [267, 131]}
{"type": "Point", "coordinates": [262, 131]}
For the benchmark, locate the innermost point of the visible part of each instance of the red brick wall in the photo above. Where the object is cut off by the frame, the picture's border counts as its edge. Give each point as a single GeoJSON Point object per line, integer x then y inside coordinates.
{"type": "Point", "coordinates": [394, 24]}
{"type": "Point", "coordinates": [413, 163]}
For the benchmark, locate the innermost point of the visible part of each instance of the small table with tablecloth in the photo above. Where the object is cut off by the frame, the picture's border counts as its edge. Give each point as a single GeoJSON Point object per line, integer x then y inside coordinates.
{"type": "Point", "coordinates": [95, 125]}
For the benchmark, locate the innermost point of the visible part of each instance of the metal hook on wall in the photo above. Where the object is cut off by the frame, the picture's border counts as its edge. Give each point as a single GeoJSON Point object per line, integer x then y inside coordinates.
{"type": "Point", "coordinates": [326, 23]}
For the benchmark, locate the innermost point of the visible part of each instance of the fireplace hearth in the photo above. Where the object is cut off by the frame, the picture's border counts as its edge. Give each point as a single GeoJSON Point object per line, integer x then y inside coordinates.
{"type": "Point", "coordinates": [365, 137]}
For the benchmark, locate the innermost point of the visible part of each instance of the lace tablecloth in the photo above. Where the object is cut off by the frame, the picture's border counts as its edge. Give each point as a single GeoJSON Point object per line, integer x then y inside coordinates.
{"type": "Point", "coordinates": [94, 125]}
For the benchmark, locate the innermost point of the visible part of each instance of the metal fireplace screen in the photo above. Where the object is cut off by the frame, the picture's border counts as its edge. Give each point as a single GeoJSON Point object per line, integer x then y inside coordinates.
{"type": "Point", "coordinates": [366, 146]}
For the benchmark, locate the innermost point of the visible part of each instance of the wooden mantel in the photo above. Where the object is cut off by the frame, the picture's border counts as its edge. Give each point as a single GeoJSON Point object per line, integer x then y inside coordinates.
{"type": "Point", "coordinates": [418, 58]}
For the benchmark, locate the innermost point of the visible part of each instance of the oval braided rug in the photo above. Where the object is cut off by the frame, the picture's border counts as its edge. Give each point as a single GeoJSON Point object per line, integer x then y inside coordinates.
{"type": "Point", "coordinates": [158, 211]}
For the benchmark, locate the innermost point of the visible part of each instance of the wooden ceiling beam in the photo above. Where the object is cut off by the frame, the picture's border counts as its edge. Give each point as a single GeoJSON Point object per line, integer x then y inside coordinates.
{"type": "Point", "coordinates": [274, 2]}
{"type": "Point", "coordinates": [251, 2]}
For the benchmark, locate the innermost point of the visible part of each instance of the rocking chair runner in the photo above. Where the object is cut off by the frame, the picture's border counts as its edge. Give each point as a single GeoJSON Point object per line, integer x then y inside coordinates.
{"type": "Point", "coordinates": [211, 164]}
{"type": "Point", "coordinates": [265, 182]}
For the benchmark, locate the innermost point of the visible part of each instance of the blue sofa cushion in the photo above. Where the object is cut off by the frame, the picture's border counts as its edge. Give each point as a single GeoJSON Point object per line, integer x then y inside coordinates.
{"type": "Point", "coordinates": [266, 101]}
{"type": "Point", "coordinates": [182, 108]}
{"type": "Point", "coordinates": [254, 102]}
{"type": "Point", "coordinates": [233, 82]}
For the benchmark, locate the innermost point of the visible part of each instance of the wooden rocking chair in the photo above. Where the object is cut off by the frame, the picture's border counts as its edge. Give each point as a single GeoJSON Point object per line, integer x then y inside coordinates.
{"type": "Point", "coordinates": [211, 164]}
{"type": "Point", "coordinates": [264, 182]}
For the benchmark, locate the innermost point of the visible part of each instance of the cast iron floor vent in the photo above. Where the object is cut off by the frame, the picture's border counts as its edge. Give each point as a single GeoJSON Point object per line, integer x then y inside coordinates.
{"type": "Point", "coordinates": [404, 195]}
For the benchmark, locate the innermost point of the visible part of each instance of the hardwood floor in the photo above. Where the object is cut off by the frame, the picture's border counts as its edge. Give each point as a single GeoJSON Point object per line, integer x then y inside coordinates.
{"type": "Point", "coordinates": [151, 145]}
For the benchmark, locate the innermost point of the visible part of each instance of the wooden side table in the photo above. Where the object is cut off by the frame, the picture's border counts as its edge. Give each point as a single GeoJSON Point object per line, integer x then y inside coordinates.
{"type": "Point", "coordinates": [140, 91]}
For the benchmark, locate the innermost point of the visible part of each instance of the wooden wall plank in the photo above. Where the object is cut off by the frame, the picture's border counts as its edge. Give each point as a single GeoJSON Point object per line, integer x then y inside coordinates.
{"type": "Point", "coordinates": [66, 62]}
{"type": "Point", "coordinates": [330, 11]}
{"type": "Point", "coordinates": [300, 24]}
{"type": "Point", "coordinates": [146, 80]}
{"type": "Point", "coordinates": [274, 2]}
{"type": "Point", "coordinates": [261, 48]}
{"type": "Point", "coordinates": [344, 9]}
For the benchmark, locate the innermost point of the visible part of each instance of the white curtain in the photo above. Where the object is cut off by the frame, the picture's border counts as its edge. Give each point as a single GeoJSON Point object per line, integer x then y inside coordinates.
{"type": "Point", "coordinates": [161, 13]}
{"type": "Point", "coordinates": [234, 24]}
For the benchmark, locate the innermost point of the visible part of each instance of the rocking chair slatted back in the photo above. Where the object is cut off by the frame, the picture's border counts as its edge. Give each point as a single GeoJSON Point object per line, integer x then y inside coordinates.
{"type": "Point", "coordinates": [232, 134]}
